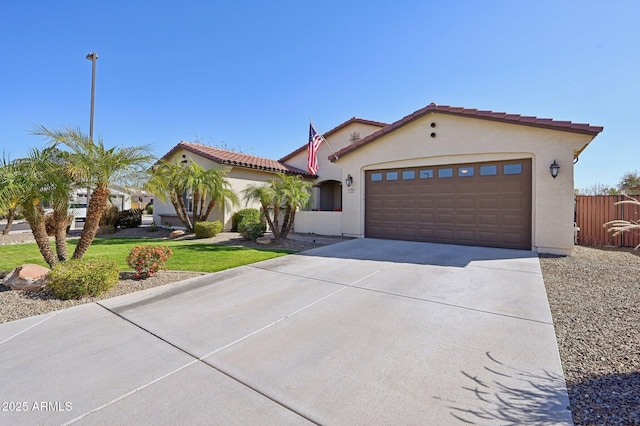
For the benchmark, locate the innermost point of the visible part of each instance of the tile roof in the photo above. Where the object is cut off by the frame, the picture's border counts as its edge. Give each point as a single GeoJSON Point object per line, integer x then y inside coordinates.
{"type": "Point", "coordinates": [237, 159]}
{"type": "Point", "coordinates": [546, 123]}
{"type": "Point", "coordinates": [335, 129]}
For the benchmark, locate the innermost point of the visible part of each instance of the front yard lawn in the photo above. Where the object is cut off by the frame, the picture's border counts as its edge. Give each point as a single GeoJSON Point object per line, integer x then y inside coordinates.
{"type": "Point", "coordinates": [187, 255]}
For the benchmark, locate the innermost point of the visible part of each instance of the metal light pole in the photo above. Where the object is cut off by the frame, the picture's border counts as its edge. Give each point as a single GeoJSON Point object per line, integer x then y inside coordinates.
{"type": "Point", "coordinates": [93, 57]}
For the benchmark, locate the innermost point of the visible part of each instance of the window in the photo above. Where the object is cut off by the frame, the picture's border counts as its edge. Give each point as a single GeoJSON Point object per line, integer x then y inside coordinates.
{"type": "Point", "coordinates": [512, 169]}
{"type": "Point", "coordinates": [376, 177]}
{"type": "Point", "coordinates": [465, 171]}
{"type": "Point", "coordinates": [187, 197]}
{"type": "Point", "coordinates": [408, 174]}
{"type": "Point", "coordinates": [392, 175]}
{"type": "Point", "coordinates": [488, 170]}
{"type": "Point", "coordinates": [426, 174]}
{"type": "Point", "coordinates": [445, 173]}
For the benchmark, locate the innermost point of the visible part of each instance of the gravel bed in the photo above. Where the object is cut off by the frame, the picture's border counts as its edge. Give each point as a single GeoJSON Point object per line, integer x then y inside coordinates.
{"type": "Point", "coordinates": [594, 297]}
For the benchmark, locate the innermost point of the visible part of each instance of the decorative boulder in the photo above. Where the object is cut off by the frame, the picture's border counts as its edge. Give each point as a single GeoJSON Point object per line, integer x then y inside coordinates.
{"type": "Point", "coordinates": [263, 240]}
{"type": "Point", "coordinates": [28, 277]}
{"type": "Point", "coordinates": [177, 233]}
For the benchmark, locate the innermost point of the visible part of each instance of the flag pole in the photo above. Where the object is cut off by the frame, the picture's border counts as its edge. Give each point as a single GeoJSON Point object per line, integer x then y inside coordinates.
{"type": "Point", "coordinates": [322, 136]}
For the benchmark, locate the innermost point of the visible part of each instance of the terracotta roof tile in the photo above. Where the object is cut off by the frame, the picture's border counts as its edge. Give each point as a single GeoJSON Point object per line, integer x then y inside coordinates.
{"type": "Point", "coordinates": [237, 159]}
{"type": "Point", "coordinates": [547, 123]}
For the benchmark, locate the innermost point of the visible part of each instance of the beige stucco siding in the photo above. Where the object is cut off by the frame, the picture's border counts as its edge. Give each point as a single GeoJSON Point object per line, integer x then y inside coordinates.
{"type": "Point", "coordinates": [464, 140]}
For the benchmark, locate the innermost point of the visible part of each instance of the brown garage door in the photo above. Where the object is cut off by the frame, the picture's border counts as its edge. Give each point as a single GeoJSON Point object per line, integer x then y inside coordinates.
{"type": "Point", "coordinates": [481, 204]}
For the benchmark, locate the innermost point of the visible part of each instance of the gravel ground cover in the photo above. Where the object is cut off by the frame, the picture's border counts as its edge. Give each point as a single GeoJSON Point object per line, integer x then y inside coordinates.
{"type": "Point", "coordinates": [594, 297]}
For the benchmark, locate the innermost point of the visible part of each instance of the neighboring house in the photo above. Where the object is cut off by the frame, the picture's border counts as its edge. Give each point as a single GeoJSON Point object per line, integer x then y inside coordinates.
{"type": "Point", "coordinates": [241, 171]}
{"type": "Point", "coordinates": [441, 174]}
{"type": "Point", "coordinates": [451, 175]}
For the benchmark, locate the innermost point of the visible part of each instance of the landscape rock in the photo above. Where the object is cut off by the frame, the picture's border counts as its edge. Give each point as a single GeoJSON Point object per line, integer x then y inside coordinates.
{"type": "Point", "coordinates": [263, 240]}
{"type": "Point", "coordinates": [177, 233]}
{"type": "Point", "coordinates": [27, 277]}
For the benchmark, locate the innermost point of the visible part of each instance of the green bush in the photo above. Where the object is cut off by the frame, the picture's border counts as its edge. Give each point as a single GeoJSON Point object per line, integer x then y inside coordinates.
{"type": "Point", "coordinates": [130, 218]}
{"type": "Point", "coordinates": [254, 230]}
{"type": "Point", "coordinates": [147, 260]}
{"type": "Point", "coordinates": [242, 218]}
{"type": "Point", "coordinates": [110, 217]}
{"type": "Point", "coordinates": [207, 229]}
{"type": "Point", "coordinates": [77, 278]}
{"type": "Point", "coordinates": [149, 208]}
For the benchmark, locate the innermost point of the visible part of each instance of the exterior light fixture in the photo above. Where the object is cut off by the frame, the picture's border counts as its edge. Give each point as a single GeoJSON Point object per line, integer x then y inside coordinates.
{"type": "Point", "coordinates": [554, 169]}
{"type": "Point", "coordinates": [349, 180]}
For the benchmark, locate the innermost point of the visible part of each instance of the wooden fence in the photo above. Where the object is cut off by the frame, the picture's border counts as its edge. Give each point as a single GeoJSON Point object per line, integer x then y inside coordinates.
{"type": "Point", "coordinates": [593, 211]}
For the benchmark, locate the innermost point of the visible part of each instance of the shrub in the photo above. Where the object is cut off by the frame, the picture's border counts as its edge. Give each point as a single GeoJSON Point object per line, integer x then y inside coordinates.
{"type": "Point", "coordinates": [106, 230]}
{"type": "Point", "coordinates": [130, 218]}
{"type": "Point", "coordinates": [243, 217]}
{"type": "Point", "coordinates": [77, 278]}
{"type": "Point", "coordinates": [147, 260]}
{"type": "Point", "coordinates": [207, 229]}
{"type": "Point", "coordinates": [254, 230]}
{"type": "Point", "coordinates": [110, 216]}
{"type": "Point", "coordinates": [149, 208]}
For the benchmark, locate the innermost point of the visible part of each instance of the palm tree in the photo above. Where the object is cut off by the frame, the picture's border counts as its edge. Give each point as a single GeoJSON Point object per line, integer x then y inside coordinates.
{"type": "Point", "coordinates": [33, 182]}
{"type": "Point", "coordinates": [282, 194]}
{"type": "Point", "coordinates": [98, 167]}
{"type": "Point", "coordinates": [8, 201]}
{"type": "Point", "coordinates": [207, 188]}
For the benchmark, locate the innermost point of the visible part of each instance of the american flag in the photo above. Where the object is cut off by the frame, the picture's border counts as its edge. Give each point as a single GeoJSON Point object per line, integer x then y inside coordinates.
{"type": "Point", "coordinates": [314, 143]}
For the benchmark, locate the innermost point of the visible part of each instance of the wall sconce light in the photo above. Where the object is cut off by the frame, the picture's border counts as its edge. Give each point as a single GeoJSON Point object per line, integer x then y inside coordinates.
{"type": "Point", "coordinates": [554, 169]}
{"type": "Point", "coordinates": [349, 180]}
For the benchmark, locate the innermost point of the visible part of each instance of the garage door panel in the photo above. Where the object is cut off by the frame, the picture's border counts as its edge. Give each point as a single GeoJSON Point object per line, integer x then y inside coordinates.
{"type": "Point", "coordinates": [488, 219]}
{"type": "Point", "coordinates": [491, 210]}
{"type": "Point", "coordinates": [466, 203]}
{"type": "Point", "coordinates": [466, 219]}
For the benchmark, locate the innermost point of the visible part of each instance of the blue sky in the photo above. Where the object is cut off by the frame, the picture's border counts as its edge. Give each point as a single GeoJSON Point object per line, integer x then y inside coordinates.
{"type": "Point", "coordinates": [249, 74]}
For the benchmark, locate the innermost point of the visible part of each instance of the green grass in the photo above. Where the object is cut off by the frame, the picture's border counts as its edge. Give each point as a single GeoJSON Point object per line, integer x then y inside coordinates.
{"type": "Point", "coordinates": [187, 255]}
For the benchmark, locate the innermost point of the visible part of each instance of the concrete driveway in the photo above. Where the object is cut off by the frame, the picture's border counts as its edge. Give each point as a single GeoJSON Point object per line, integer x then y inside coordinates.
{"type": "Point", "coordinates": [361, 332]}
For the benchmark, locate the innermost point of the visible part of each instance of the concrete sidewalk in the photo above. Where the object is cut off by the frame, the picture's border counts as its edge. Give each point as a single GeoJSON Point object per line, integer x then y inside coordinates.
{"type": "Point", "coordinates": [360, 332]}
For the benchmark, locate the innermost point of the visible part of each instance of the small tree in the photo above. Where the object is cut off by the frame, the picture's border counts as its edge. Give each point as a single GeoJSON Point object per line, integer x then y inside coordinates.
{"type": "Point", "coordinates": [93, 165]}
{"type": "Point", "coordinates": [629, 183]}
{"type": "Point", "coordinates": [28, 182]}
{"type": "Point", "coordinates": [282, 195]}
{"type": "Point", "coordinates": [192, 188]}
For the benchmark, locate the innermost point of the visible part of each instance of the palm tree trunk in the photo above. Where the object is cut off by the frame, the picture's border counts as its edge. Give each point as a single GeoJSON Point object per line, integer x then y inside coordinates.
{"type": "Point", "coordinates": [195, 204]}
{"type": "Point", "coordinates": [183, 214]}
{"type": "Point", "coordinates": [97, 205]}
{"type": "Point", "coordinates": [210, 207]}
{"type": "Point", "coordinates": [179, 211]}
{"type": "Point", "coordinates": [61, 220]}
{"type": "Point", "coordinates": [11, 214]}
{"type": "Point", "coordinates": [36, 223]}
{"type": "Point", "coordinates": [276, 221]}
{"type": "Point", "coordinates": [292, 217]}
{"type": "Point", "coordinates": [285, 222]}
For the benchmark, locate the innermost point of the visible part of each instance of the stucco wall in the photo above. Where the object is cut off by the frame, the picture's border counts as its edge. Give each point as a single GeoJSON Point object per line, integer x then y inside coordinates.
{"type": "Point", "coordinates": [463, 140]}
{"type": "Point", "coordinates": [321, 223]}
